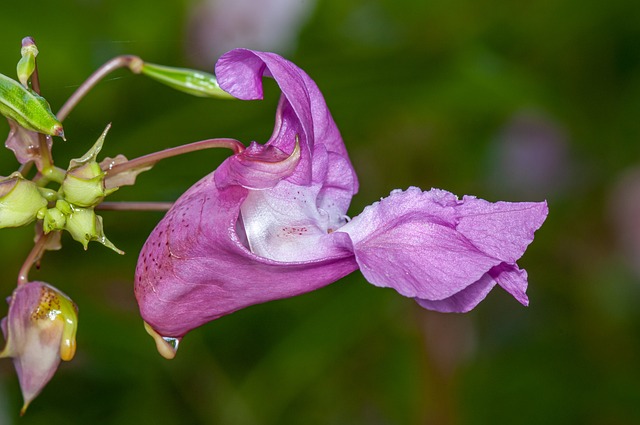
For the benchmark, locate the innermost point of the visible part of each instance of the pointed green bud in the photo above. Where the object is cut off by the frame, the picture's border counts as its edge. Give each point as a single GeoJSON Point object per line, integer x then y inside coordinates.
{"type": "Point", "coordinates": [20, 201]}
{"type": "Point", "coordinates": [81, 224]}
{"type": "Point", "coordinates": [27, 108]}
{"type": "Point", "coordinates": [84, 183]}
{"type": "Point", "coordinates": [84, 186]}
{"type": "Point", "coordinates": [85, 226]}
{"type": "Point", "coordinates": [27, 64]}
{"type": "Point", "coordinates": [196, 83]}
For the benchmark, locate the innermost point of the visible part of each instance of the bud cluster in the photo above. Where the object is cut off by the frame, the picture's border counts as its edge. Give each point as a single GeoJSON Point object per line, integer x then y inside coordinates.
{"type": "Point", "coordinates": [41, 323]}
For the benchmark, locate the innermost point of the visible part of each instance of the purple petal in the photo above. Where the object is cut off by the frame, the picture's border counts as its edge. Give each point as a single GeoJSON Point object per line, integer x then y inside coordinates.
{"type": "Point", "coordinates": [432, 246]}
{"type": "Point", "coordinates": [510, 278]}
{"type": "Point", "coordinates": [502, 229]}
{"type": "Point", "coordinates": [402, 243]}
{"type": "Point", "coordinates": [257, 167]}
{"type": "Point", "coordinates": [513, 280]}
{"type": "Point", "coordinates": [463, 301]}
{"type": "Point", "coordinates": [302, 112]}
{"type": "Point", "coordinates": [194, 267]}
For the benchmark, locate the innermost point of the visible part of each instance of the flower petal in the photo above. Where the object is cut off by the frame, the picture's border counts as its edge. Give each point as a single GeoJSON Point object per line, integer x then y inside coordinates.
{"type": "Point", "coordinates": [257, 167]}
{"type": "Point", "coordinates": [513, 280]}
{"type": "Point", "coordinates": [463, 301]}
{"type": "Point", "coordinates": [194, 267]}
{"type": "Point", "coordinates": [502, 229]}
{"type": "Point", "coordinates": [431, 246]}
{"type": "Point", "coordinates": [302, 112]}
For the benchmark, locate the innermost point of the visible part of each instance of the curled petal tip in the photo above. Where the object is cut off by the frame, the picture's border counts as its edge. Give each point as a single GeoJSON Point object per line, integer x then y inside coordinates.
{"type": "Point", "coordinates": [167, 346]}
{"type": "Point", "coordinates": [28, 41]}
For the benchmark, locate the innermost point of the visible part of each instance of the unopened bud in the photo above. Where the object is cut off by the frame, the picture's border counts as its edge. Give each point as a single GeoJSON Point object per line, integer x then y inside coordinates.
{"type": "Point", "coordinates": [196, 83]}
{"type": "Point", "coordinates": [53, 219]}
{"type": "Point", "coordinates": [20, 201]}
{"type": "Point", "coordinates": [27, 108]}
{"type": "Point", "coordinates": [40, 330]}
{"type": "Point", "coordinates": [85, 226]}
{"type": "Point", "coordinates": [27, 64]}
{"type": "Point", "coordinates": [84, 185]}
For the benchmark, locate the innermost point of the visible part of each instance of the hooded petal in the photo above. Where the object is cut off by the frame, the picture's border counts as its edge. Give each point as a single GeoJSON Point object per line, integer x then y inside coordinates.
{"type": "Point", "coordinates": [39, 330]}
{"type": "Point", "coordinates": [258, 167]}
{"type": "Point", "coordinates": [302, 112]}
{"type": "Point", "coordinates": [432, 246]}
{"type": "Point", "coordinates": [195, 266]}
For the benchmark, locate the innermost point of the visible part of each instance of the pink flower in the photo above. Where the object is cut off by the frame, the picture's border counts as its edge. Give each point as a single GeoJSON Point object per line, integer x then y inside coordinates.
{"type": "Point", "coordinates": [271, 223]}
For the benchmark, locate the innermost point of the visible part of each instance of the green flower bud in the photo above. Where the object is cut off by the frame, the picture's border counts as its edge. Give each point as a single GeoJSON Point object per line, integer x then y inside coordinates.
{"type": "Point", "coordinates": [64, 207]}
{"type": "Point", "coordinates": [85, 226]}
{"type": "Point", "coordinates": [27, 108]}
{"type": "Point", "coordinates": [53, 219]}
{"type": "Point", "coordinates": [84, 185]}
{"type": "Point", "coordinates": [196, 83]}
{"type": "Point", "coordinates": [81, 224]}
{"type": "Point", "coordinates": [27, 63]}
{"type": "Point", "coordinates": [20, 201]}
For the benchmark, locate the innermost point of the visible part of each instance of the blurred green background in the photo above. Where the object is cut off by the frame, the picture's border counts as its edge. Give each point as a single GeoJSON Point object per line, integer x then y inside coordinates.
{"type": "Point", "coordinates": [503, 100]}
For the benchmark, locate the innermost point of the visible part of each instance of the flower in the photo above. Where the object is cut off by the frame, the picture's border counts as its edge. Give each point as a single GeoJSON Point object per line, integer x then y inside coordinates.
{"type": "Point", "coordinates": [271, 223]}
{"type": "Point", "coordinates": [40, 330]}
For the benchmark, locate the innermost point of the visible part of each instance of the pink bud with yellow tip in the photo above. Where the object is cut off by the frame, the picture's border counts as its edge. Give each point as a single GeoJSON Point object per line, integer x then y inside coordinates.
{"type": "Point", "coordinates": [40, 330]}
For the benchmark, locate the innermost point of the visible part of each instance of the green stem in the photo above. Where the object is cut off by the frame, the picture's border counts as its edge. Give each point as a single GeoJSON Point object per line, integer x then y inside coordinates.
{"type": "Point", "coordinates": [50, 174]}
{"type": "Point", "coordinates": [152, 158]}
{"type": "Point", "coordinates": [134, 63]}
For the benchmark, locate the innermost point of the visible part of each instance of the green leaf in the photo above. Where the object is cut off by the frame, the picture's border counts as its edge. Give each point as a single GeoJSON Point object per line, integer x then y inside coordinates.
{"type": "Point", "coordinates": [196, 83]}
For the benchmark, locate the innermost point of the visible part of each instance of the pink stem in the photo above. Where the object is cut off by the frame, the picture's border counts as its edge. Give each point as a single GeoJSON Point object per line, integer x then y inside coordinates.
{"type": "Point", "coordinates": [134, 63]}
{"type": "Point", "coordinates": [32, 258]}
{"type": "Point", "coordinates": [152, 158]}
{"type": "Point", "coordinates": [134, 206]}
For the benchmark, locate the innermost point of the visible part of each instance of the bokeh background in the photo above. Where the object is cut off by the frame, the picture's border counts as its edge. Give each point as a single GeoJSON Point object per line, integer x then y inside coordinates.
{"type": "Point", "coordinates": [503, 100]}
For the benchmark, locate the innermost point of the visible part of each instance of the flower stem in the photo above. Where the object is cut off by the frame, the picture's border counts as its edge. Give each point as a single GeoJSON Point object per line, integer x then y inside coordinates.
{"type": "Point", "coordinates": [45, 153]}
{"type": "Point", "coordinates": [32, 258]}
{"type": "Point", "coordinates": [152, 158]}
{"type": "Point", "coordinates": [134, 206]}
{"type": "Point", "coordinates": [134, 63]}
